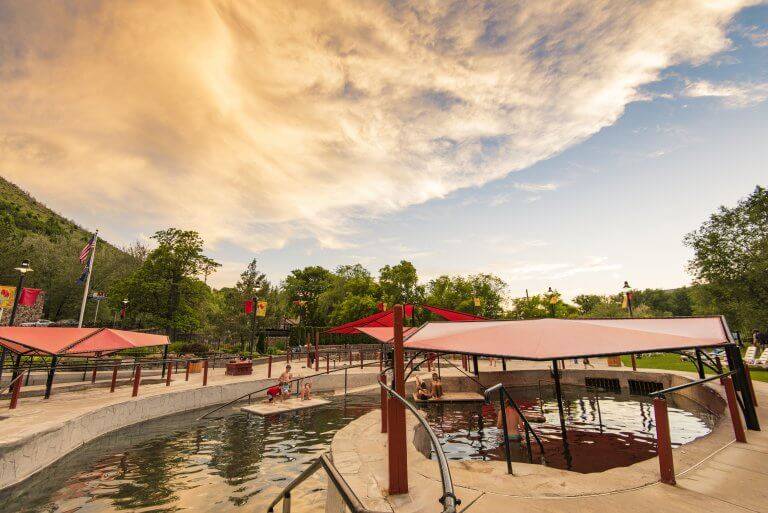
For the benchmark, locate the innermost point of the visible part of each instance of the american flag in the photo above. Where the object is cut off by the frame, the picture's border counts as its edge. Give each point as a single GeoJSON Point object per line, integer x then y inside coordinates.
{"type": "Point", "coordinates": [87, 250]}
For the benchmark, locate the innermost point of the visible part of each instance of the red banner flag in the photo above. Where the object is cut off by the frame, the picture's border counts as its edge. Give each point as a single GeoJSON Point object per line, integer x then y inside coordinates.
{"type": "Point", "coordinates": [409, 311]}
{"type": "Point", "coordinates": [249, 306]}
{"type": "Point", "coordinates": [28, 297]}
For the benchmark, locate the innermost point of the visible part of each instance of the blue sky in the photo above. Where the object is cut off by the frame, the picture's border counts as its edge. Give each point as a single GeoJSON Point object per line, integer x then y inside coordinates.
{"type": "Point", "coordinates": [570, 147]}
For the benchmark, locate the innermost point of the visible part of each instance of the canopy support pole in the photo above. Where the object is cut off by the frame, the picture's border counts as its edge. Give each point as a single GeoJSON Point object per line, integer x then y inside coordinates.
{"type": "Point", "coordinates": [165, 359]}
{"type": "Point", "coordinates": [699, 363]}
{"type": "Point", "coordinates": [504, 364]}
{"type": "Point", "coordinates": [559, 395]}
{"type": "Point", "coordinates": [49, 379]}
{"type": "Point", "coordinates": [475, 368]}
{"type": "Point", "coordinates": [735, 363]}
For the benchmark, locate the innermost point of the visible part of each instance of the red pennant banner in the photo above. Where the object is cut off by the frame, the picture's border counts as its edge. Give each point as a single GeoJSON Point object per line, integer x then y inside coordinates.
{"type": "Point", "coordinates": [28, 297]}
{"type": "Point", "coordinates": [409, 311]}
{"type": "Point", "coordinates": [249, 306]}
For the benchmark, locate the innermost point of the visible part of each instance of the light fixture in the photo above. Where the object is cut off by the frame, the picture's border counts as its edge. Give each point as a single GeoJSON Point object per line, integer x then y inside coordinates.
{"type": "Point", "coordinates": [24, 267]}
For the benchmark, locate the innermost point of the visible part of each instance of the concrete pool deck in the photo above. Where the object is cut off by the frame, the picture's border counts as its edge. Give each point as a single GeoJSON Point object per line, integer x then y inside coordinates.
{"type": "Point", "coordinates": [713, 473]}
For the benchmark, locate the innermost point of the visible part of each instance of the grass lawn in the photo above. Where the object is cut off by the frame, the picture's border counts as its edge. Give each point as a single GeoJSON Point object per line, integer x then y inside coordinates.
{"type": "Point", "coordinates": [673, 362]}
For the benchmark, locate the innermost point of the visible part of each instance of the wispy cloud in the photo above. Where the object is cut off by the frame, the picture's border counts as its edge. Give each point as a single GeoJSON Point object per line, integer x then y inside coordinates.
{"type": "Point", "coordinates": [556, 270]}
{"type": "Point", "coordinates": [732, 94]}
{"type": "Point", "coordinates": [258, 121]}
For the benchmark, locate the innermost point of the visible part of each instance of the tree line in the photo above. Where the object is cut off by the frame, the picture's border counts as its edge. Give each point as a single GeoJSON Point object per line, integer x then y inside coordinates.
{"type": "Point", "coordinates": [166, 287]}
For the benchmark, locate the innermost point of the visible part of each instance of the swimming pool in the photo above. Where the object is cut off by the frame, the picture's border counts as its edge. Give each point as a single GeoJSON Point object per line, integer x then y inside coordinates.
{"type": "Point", "coordinates": [604, 429]}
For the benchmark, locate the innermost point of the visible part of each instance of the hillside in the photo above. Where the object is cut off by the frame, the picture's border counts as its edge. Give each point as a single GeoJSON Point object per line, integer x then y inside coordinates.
{"type": "Point", "coordinates": [23, 212]}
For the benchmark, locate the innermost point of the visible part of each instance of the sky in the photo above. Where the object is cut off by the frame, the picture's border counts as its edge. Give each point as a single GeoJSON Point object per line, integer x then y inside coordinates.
{"type": "Point", "coordinates": [569, 144]}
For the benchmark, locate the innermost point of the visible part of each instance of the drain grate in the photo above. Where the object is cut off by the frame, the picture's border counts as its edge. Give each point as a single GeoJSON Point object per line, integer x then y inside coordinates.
{"type": "Point", "coordinates": [637, 387]}
{"type": "Point", "coordinates": [607, 384]}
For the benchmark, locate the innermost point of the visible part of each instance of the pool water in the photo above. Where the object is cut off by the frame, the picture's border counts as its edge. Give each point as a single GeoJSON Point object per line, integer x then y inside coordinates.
{"type": "Point", "coordinates": [241, 462]}
{"type": "Point", "coordinates": [603, 429]}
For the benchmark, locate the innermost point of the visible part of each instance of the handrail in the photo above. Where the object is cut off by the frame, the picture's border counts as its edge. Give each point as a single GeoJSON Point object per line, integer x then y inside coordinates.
{"type": "Point", "coordinates": [528, 427]}
{"type": "Point", "coordinates": [449, 499]}
{"type": "Point", "coordinates": [347, 494]}
{"type": "Point", "coordinates": [12, 382]}
{"type": "Point", "coordinates": [347, 367]}
{"type": "Point", "coordinates": [662, 393]}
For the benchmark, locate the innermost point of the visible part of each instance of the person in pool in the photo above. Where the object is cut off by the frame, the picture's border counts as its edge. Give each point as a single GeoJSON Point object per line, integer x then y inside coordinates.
{"type": "Point", "coordinates": [422, 390]}
{"type": "Point", "coordinates": [437, 386]}
{"type": "Point", "coordinates": [285, 383]}
{"type": "Point", "coordinates": [515, 424]}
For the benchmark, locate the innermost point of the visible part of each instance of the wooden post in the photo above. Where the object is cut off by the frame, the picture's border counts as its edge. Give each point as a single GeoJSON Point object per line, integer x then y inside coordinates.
{"type": "Point", "coordinates": [350, 357]}
{"type": "Point", "coordinates": [429, 362]}
{"type": "Point", "coordinates": [327, 363]}
{"type": "Point", "coordinates": [396, 438]}
{"type": "Point", "coordinates": [309, 360]}
{"type": "Point", "coordinates": [136, 381]}
{"type": "Point", "coordinates": [663, 441]}
{"type": "Point", "coordinates": [15, 393]}
{"type": "Point", "coordinates": [205, 372]}
{"type": "Point", "coordinates": [634, 362]}
{"type": "Point", "coordinates": [93, 374]}
{"type": "Point", "coordinates": [381, 360]}
{"type": "Point", "coordinates": [186, 372]}
{"type": "Point", "coordinates": [269, 366]}
{"type": "Point", "coordinates": [317, 351]}
{"type": "Point", "coordinates": [114, 379]}
{"type": "Point", "coordinates": [361, 358]}
{"type": "Point", "coordinates": [384, 406]}
{"type": "Point", "coordinates": [168, 376]}
{"type": "Point", "coordinates": [733, 409]}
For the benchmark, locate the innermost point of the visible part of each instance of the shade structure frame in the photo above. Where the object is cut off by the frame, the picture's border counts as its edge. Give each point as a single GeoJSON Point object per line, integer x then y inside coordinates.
{"type": "Point", "coordinates": [83, 342]}
{"type": "Point", "coordinates": [664, 334]}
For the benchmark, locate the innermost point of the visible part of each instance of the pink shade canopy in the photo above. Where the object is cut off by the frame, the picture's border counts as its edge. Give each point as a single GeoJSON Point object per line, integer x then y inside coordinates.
{"type": "Point", "coordinates": [385, 318]}
{"type": "Point", "coordinates": [74, 341]}
{"type": "Point", "coordinates": [453, 315]}
{"type": "Point", "coordinates": [385, 334]}
{"type": "Point", "coordinates": [549, 339]}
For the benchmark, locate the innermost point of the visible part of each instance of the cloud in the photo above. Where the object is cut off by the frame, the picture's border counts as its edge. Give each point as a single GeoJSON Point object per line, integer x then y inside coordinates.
{"type": "Point", "coordinates": [555, 270]}
{"type": "Point", "coordinates": [732, 94]}
{"type": "Point", "coordinates": [536, 187]}
{"type": "Point", "coordinates": [257, 122]}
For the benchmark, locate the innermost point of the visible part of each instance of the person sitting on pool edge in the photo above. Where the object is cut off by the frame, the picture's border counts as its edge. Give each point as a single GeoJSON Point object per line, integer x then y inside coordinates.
{"type": "Point", "coordinates": [306, 391]}
{"type": "Point", "coordinates": [285, 383]}
{"type": "Point", "coordinates": [514, 423]}
{"type": "Point", "coordinates": [273, 392]}
{"type": "Point", "coordinates": [422, 391]}
{"type": "Point", "coordinates": [437, 386]}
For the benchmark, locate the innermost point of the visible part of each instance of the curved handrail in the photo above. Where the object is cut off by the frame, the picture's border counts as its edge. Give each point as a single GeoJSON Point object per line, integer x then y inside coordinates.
{"type": "Point", "coordinates": [528, 427]}
{"type": "Point", "coordinates": [448, 500]}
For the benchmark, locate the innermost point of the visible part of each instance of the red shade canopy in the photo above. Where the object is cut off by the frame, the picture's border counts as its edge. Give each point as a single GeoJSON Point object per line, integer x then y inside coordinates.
{"type": "Point", "coordinates": [74, 341]}
{"type": "Point", "coordinates": [453, 315]}
{"type": "Point", "coordinates": [379, 319]}
{"type": "Point", "coordinates": [549, 339]}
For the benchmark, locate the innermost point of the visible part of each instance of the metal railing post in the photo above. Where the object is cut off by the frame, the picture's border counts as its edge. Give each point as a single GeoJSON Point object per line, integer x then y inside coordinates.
{"type": "Point", "coordinates": [733, 409]}
{"type": "Point", "coordinates": [384, 405]}
{"type": "Point", "coordinates": [15, 393]}
{"type": "Point", "coordinates": [114, 379]}
{"type": "Point", "coordinates": [748, 377]}
{"type": "Point", "coordinates": [504, 425]}
{"type": "Point", "coordinates": [663, 441]}
{"type": "Point", "coordinates": [136, 381]}
{"type": "Point", "coordinates": [168, 376]}
{"type": "Point", "coordinates": [287, 502]}
{"type": "Point", "coordinates": [269, 366]}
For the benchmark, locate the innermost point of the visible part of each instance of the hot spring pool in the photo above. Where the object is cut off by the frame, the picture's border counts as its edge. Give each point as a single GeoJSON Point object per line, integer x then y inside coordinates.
{"type": "Point", "coordinates": [240, 462]}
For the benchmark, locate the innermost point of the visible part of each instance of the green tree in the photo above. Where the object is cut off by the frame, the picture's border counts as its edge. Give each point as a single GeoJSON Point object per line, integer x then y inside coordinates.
{"type": "Point", "coordinates": [400, 284]}
{"type": "Point", "coordinates": [731, 258]}
{"type": "Point", "coordinates": [303, 287]}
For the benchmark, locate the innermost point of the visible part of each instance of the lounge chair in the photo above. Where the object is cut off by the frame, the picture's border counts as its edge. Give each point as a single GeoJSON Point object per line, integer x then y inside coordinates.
{"type": "Point", "coordinates": [763, 360]}
{"type": "Point", "coordinates": [751, 355]}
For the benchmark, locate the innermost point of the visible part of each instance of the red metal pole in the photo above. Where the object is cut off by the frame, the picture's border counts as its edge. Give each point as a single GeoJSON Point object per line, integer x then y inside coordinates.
{"type": "Point", "coordinates": [350, 357]}
{"type": "Point", "coordinates": [317, 351]}
{"type": "Point", "coordinates": [136, 381]}
{"type": "Point", "coordinates": [634, 363]}
{"type": "Point", "coordinates": [733, 408]}
{"type": "Point", "coordinates": [168, 376]}
{"type": "Point", "coordinates": [93, 374]}
{"type": "Point", "coordinates": [114, 379]}
{"type": "Point", "coordinates": [384, 406]}
{"type": "Point", "coordinates": [15, 393]}
{"type": "Point", "coordinates": [396, 438]}
{"type": "Point", "coordinates": [429, 363]}
{"type": "Point", "coordinates": [749, 382]}
{"type": "Point", "coordinates": [309, 363]}
{"type": "Point", "coordinates": [205, 372]}
{"type": "Point", "coordinates": [186, 374]}
{"type": "Point", "coordinates": [269, 366]}
{"type": "Point", "coordinates": [663, 441]}
{"type": "Point", "coordinates": [381, 361]}
{"type": "Point", "coordinates": [327, 363]}
{"type": "Point", "coordinates": [361, 358]}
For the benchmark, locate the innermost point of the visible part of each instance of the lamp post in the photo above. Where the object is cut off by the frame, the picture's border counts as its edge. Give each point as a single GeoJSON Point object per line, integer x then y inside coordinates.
{"type": "Point", "coordinates": [628, 296]}
{"type": "Point", "coordinates": [23, 269]}
{"type": "Point", "coordinates": [552, 301]}
{"type": "Point", "coordinates": [123, 312]}
{"type": "Point", "coordinates": [255, 302]}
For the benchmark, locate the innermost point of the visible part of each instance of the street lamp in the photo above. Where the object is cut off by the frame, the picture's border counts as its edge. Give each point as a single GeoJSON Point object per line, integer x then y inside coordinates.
{"type": "Point", "coordinates": [628, 295]}
{"type": "Point", "coordinates": [552, 300]}
{"type": "Point", "coordinates": [23, 269]}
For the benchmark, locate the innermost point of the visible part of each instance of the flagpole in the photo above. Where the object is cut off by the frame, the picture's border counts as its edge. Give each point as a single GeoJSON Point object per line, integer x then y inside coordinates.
{"type": "Point", "coordinates": [88, 279]}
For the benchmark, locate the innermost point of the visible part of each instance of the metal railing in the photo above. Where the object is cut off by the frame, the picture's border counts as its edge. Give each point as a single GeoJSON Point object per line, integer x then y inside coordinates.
{"type": "Point", "coordinates": [527, 425]}
{"type": "Point", "coordinates": [448, 499]}
{"type": "Point", "coordinates": [351, 500]}
{"type": "Point", "coordinates": [662, 393]}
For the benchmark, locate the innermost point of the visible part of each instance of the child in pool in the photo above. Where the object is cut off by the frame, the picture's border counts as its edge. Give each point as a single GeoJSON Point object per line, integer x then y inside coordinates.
{"type": "Point", "coordinates": [514, 423]}
{"type": "Point", "coordinates": [306, 391]}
